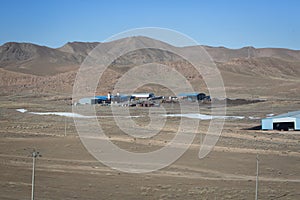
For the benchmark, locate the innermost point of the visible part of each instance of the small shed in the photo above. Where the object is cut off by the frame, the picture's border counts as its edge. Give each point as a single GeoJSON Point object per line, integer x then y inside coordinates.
{"type": "Point", "coordinates": [286, 121]}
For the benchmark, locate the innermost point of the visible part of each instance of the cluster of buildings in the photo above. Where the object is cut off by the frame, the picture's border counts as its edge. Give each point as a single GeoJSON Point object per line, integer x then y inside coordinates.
{"type": "Point", "coordinates": [286, 121]}
{"type": "Point", "coordinates": [141, 99]}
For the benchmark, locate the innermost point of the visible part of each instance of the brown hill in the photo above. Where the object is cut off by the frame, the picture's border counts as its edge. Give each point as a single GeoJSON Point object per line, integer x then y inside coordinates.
{"type": "Point", "coordinates": [40, 60]}
{"type": "Point", "coordinates": [222, 54]}
{"type": "Point", "coordinates": [246, 72]}
{"type": "Point", "coordinates": [78, 49]}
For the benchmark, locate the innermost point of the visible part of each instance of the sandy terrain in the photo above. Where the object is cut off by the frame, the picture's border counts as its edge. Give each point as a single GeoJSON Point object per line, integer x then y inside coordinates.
{"type": "Point", "coordinates": [67, 171]}
{"type": "Point", "coordinates": [40, 79]}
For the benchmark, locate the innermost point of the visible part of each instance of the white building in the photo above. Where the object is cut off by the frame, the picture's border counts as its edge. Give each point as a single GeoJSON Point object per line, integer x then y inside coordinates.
{"type": "Point", "coordinates": [142, 95]}
{"type": "Point", "coordinates": [290, 120]}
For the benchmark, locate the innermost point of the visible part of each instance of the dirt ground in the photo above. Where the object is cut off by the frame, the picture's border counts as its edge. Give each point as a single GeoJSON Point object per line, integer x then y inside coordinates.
{"type": "Point", "coordinates": [67, 171]}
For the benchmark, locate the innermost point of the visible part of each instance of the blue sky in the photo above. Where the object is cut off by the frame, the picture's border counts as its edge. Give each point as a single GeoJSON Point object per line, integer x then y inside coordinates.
{"type": "Point", "coordinates": [229, 23]}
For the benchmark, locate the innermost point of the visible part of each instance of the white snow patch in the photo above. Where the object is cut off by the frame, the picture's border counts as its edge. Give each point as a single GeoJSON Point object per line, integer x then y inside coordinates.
{"type": "Point", "coordinates": [63, 114]}
{"type": "Point", "coordinates": [134, 116]}
{"type": "Point", "coordinates": [71, 114]}
{"type": "Point", "coordinates": [251, 117]}
{"type": "Point", "coordinates": [203, 117]}
{"type": "Point", "coordinates": [21, 110]}
{"type": "Point", "coordinates": [119, 116]}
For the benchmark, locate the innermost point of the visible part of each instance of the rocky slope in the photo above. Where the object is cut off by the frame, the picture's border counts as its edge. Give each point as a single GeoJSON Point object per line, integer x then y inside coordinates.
{"type": "Point", "coordinates": [246, 71]}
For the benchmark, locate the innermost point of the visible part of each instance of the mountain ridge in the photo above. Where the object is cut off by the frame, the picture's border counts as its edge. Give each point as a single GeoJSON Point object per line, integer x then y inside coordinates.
{"type": "Point", "coordinates": [26, 66]}
{"type": "Point", "coordinates": [14, 55]}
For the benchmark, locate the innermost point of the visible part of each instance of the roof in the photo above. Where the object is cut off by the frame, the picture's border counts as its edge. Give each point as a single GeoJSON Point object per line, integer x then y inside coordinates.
{"type": "Point", "coordinates": [104, 98]}
{"type": "Point", "coordinates": [142, 95]}
{"type": "Point", "coordinates": [294, 114]}
{"type": "Point", "coordinates": [121, 95]}
{"type": "Point", "coordinates": [189, 94]}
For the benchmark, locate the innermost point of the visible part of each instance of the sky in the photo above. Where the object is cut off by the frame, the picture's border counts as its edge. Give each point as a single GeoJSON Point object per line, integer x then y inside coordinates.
{"type": "Point", "coordinates": [228, 23]}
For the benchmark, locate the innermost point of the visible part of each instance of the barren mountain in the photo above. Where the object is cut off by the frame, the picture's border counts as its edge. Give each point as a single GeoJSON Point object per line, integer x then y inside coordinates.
{"type": "Point", "coordinates": [222, 54]}
{"type": "Point", "coordinates": [40, 60]}
{"type": "Point", "coordinates": [247, 71]}
{"type": "Point", "coordinates": [78, 49]}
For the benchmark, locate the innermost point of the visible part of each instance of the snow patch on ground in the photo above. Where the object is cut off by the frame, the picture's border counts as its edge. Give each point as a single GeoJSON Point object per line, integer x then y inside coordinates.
{"type": "Point", "coordinates": [204, 117]}
{"type": "Point", "coordinates": [63, 114]}
{"type": "Point", "coordinates": [21, 110]}
{"type": "Point", "coordinates": [251, 117]}
{"type": "Point", "coordinates": [190, 115]}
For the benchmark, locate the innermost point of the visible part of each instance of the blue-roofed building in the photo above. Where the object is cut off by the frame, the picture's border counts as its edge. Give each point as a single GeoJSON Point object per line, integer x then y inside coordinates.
{"type": "Point", "coordinates": [286, 121]}
{"type": "Point", "coordinates": [104, 99]}
{"type": "Point", "coordinates": [100, 99]}
{"type": "Point", "coordinates": [193, 96]}
{"type": "Point", "coordinates": [92, 100]}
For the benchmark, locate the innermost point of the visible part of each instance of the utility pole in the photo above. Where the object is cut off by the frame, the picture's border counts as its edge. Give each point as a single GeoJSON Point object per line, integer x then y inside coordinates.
{"type": "Point", "coordinates": [34, 156]}
{"type": "Point", "coordinates": [256, 185]}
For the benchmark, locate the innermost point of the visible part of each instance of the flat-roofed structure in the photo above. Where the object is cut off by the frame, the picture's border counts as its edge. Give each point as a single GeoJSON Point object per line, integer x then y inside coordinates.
{"type": "Point", "coordinates": [286, 121]}
{"type": "Point", "coordinates": [142, 95]}
{"type": "Point", "coordinates": [193, 96]}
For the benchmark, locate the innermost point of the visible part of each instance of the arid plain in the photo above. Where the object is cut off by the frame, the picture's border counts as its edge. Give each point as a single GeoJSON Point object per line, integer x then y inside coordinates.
{"type": "Point", "coordinates": [31, 80]}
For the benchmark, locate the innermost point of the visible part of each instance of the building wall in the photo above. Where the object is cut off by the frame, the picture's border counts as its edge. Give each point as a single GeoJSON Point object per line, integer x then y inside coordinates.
{"type": "Point", "coordinates": [267, 124]}
{"type": "Point", "coordinates": [297, 124]}
{"type": "Point", "coordinates": [143, 95]}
